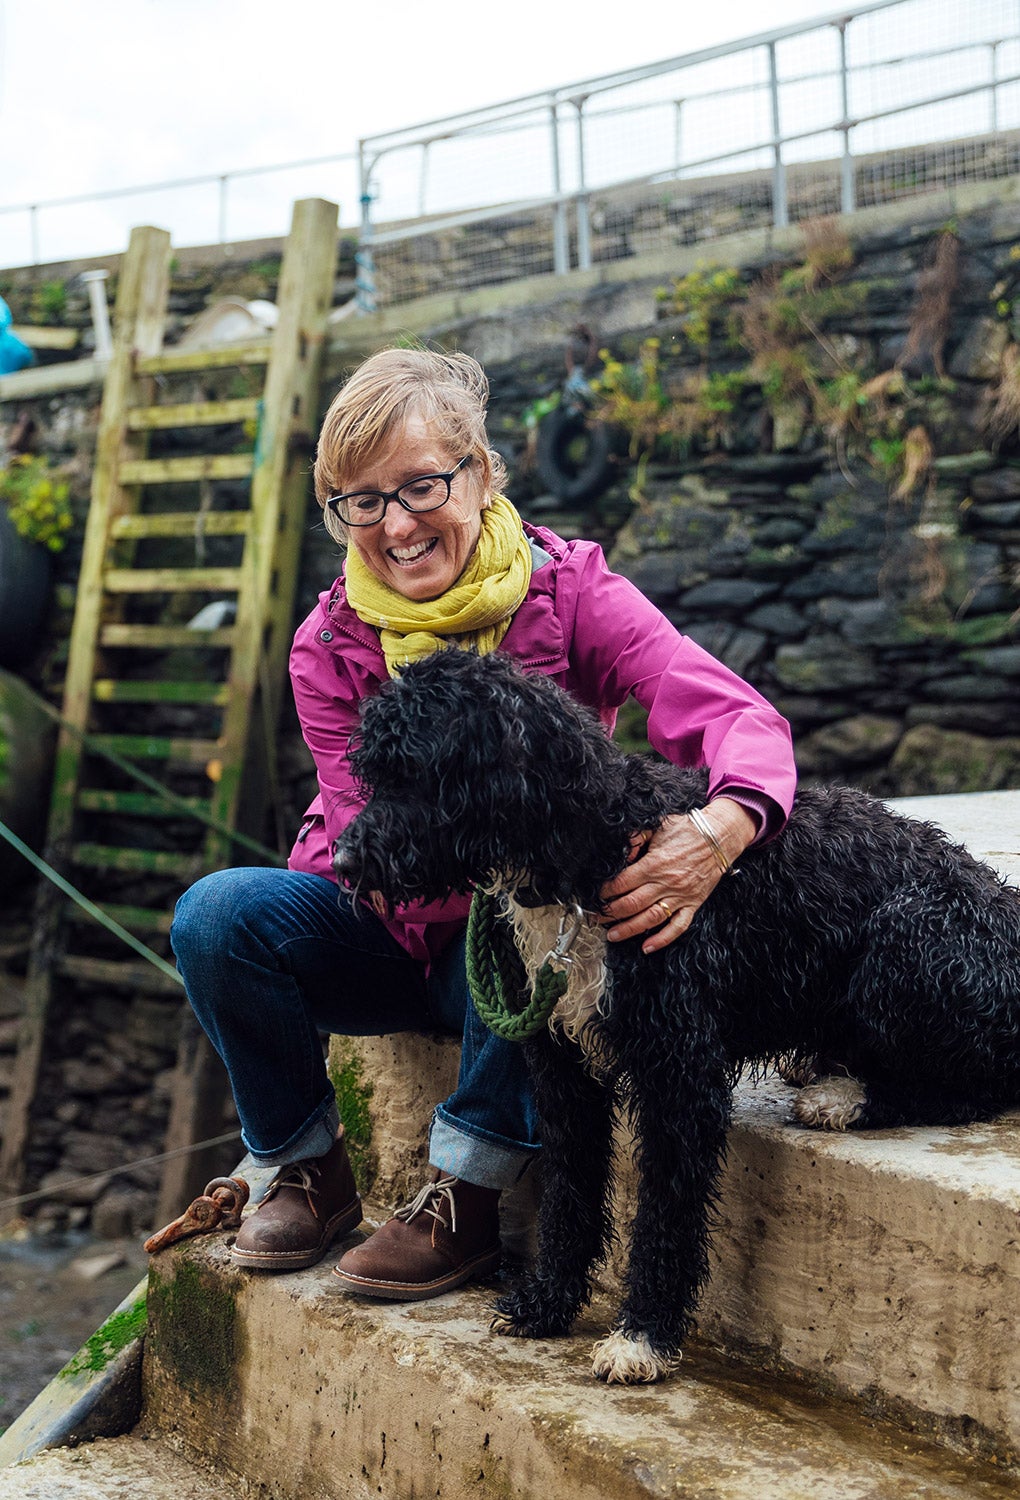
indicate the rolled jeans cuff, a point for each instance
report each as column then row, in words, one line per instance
column 312, row 1140
column 479, row 1159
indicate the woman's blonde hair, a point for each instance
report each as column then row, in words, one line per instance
column 449, row 392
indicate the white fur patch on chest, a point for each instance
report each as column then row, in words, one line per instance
column 536, row 929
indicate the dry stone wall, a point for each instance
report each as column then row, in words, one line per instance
column 887, row 630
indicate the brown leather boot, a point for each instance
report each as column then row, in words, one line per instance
column 446, row 1235
column 306, row 1206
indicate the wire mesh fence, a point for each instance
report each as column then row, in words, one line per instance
column 893, row 98
column 896, row 98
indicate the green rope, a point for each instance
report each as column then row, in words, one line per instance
column 492, row 968
column 179, row 804
column 94, row 911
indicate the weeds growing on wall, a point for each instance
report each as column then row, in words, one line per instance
column 37, row 501
column 804, row 375
column 49, row 302
column 932, row 312
column 999, row 419
column 782, row 346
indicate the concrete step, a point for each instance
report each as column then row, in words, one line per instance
column 135, row 1467
column 881, row 1265
column 987, row 823
column 884, row 1266
column 288, row 1382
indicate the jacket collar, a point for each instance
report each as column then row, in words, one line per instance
column 535, row 638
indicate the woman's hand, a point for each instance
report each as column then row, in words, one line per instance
column 661, row 889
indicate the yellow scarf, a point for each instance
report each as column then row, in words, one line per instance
column 475, row 611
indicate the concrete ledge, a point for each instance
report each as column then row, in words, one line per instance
column 315, row 1394
column 882, row 1265
column 986, row 823
column 133, row 1466
column 96, row 1394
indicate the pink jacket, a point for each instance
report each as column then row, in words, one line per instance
column 597, row 636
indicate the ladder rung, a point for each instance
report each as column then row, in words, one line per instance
column 177, row 752
column 134, row 918
column 185, row 470
column 141, row 804
column 107, row 971
column 172, row 580
column 193, row 414
column 146, row 861
column 205, row 359
column 183, row 523
column 106, row 690
column 162, row 636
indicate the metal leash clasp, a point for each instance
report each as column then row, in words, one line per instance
column 571, row 922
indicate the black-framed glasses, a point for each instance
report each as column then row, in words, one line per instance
column 366, row 507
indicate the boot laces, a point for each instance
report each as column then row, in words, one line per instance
column 430, row 1200
column 296, row 1174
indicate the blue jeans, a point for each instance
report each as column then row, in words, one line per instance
column 272, row 958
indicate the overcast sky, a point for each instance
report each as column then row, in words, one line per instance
column 99, row 94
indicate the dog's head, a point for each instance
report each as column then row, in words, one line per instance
column 472, row 770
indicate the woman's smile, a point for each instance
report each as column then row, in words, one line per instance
column 408, row 556
column 420, row 556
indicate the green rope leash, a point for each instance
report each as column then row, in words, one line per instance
column 495, row 975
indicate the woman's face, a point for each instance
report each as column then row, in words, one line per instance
column 419, row 555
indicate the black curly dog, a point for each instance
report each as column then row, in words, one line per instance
column 857, row 936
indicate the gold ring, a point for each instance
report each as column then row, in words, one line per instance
column 666, row 908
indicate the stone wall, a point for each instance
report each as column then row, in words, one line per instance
column 896, row 656
column 887, row 630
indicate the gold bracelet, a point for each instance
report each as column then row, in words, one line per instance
column 707, row 832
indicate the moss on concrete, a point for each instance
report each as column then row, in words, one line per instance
column 120, row 1329
column 194, row 1329
column 353, row 1093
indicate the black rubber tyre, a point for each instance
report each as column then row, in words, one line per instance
column 574, row 457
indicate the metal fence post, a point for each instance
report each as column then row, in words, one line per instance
column 561, row 241
column 364, row 261
column 994, row 90
column 780, row 212
column 423, row 175
column 583, row 217
column 223, row 208
column 847, row 186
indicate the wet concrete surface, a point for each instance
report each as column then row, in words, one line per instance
column 54, row 1293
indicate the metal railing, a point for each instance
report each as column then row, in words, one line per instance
column 820, row 116
column 228, row 220
column 818, row 98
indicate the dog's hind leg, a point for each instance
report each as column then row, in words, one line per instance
column 574, row 1226
column 835, row 1102
column 680, row 1103
column 931, row 1016
column 892, row 1101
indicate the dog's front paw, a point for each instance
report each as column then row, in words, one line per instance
column 508, row 1327
column 630, row 1359
column 521, row 1315
column 833, row 1103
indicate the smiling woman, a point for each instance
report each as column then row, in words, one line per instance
column 438, row 558
column 418, row 537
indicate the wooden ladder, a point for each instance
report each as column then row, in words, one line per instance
column 151, row 682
